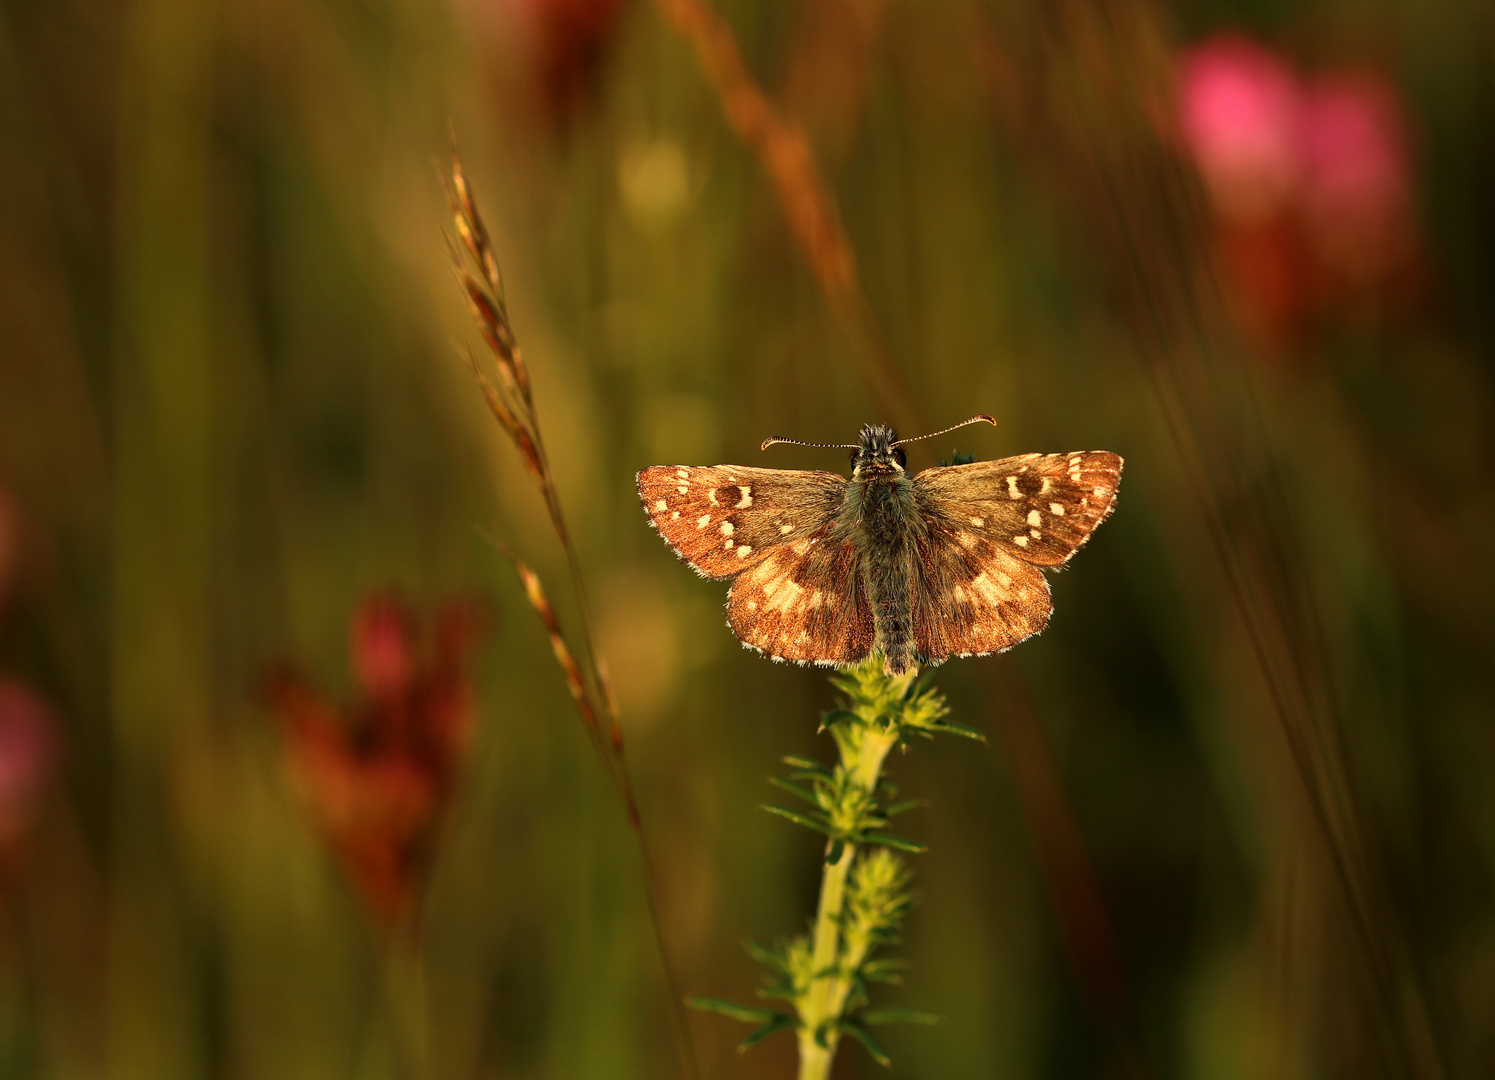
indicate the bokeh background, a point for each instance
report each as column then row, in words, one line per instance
column 1235, row 817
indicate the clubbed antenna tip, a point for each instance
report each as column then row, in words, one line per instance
column 979, row 418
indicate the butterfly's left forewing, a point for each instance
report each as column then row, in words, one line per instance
column 1039, row 508
column 723, row 519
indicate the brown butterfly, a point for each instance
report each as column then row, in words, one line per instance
column 920, row 568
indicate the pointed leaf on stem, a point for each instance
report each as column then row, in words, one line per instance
column 799, row 819
column 957, row 729
column 896, row 842
column 735, row 1011
column 804, row 763
column 899, row 1016
column 793, row 789
column 863, row 1036
column 781, row 1022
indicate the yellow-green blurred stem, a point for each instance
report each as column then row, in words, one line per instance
column 822, row 1003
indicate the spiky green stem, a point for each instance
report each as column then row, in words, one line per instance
column 820, row 1011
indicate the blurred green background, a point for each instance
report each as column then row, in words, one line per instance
column 1236, row 816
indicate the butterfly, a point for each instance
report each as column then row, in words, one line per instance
column 916, row 568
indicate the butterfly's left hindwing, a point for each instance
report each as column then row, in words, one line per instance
column 972, row 598
column 723, row 519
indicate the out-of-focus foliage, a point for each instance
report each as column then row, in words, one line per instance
column 1235, row 816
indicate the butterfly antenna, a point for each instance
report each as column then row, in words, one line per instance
column 795, row 442
column 981, row 419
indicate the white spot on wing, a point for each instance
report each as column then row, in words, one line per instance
column 728, row 528
column 978, row 522
column 661, row 506
column 675, row 516
column 683, row 473
column 1057, row 509
column 984, row 587
column 747, row 497
column 703, row 521
column 782, row 594
column 683, row 489
column 1020, row 541
column 1034, row 517
column 785, row 530
column 742, row 552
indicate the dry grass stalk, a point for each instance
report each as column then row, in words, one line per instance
column 784, row 150
column 511, row 400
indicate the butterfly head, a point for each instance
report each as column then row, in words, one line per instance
column 877, row 453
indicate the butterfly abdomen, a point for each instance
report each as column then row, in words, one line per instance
column 887, row 526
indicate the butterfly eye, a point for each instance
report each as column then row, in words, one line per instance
column 900, row 456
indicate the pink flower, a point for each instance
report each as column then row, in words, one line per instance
column 1238, row 109
column 1357, row 178
column 1309, row 180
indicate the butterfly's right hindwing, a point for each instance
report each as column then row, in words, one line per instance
column 723, row 519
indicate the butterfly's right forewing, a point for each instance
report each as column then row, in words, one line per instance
column 723, row 519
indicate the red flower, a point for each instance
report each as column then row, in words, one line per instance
column 378, row 775
column 9, row 528
column 565, row 44
column 28, row 758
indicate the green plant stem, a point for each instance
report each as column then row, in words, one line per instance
column 405, row 992
column 831, row 982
